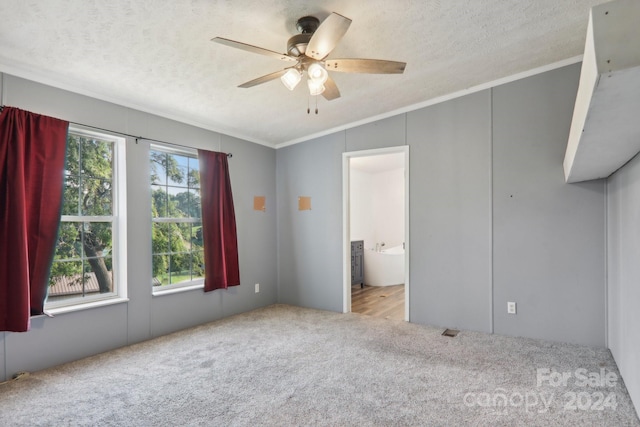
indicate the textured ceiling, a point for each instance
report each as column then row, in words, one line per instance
column 157, row 55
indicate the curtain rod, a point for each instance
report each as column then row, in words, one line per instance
column 136, row 137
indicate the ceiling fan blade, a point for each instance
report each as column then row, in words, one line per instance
column 327, row 36
column 330, row 90
column 372, row 66
column 253, row 49
column 264, row 79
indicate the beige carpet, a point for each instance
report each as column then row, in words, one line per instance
column 285, row 366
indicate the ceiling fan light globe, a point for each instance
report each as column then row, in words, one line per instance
column 291, row 78
column 317, row 73
column 315, row 88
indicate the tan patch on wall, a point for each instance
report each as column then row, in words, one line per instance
column 304, row 203
column 259, row 203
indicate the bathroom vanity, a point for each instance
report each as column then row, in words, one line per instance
column 357, row 263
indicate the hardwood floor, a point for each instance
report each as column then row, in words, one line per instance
column 378, row 301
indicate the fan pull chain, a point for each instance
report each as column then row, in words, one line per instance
column 309, row 105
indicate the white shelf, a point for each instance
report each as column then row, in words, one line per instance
column 605, row 129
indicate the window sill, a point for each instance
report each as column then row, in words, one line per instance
column 162, row 292
column 86, row 306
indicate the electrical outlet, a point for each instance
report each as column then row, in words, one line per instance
column 511, row 308
column 257, row 287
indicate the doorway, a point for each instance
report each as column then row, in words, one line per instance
column 376, row 182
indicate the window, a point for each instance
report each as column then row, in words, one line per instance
column 86, row 258
column 178, row 255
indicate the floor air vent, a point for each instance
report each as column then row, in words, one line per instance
column 450, row 332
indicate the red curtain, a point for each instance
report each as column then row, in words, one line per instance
column 218, row 223
column 32, row 153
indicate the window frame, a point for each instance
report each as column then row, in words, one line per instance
column 198, row 283
column 118, row 230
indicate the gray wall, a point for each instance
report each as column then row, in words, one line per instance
column 74, row 335
column 450, row 213
column 491, row 218
column 310, row 242
column 3, row 374
column 624, row 273
column 548, row 236
column 389, row 132
column 491, row 221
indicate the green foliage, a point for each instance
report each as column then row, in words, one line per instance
column 85, row 247
column 88, row 191
column 177, row 245
column 88, row 177
column 164, row 165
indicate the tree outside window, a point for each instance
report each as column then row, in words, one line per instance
column 178, row 255
column 83, row 261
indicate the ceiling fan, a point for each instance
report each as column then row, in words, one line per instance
column 309, row 51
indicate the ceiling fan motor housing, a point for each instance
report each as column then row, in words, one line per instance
column 297, row 45
column 308, row 24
